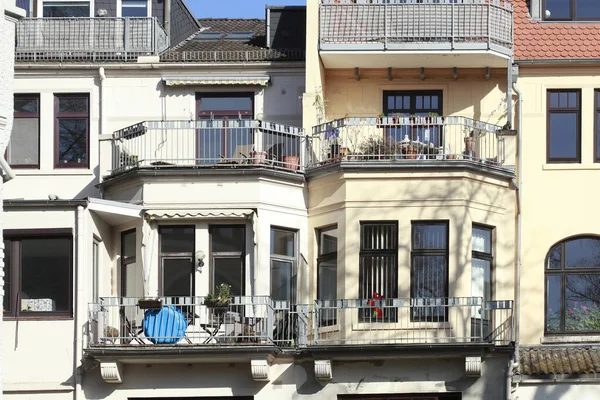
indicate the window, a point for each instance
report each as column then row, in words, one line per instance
column 134, row 8
column 23, row 150
column 240, row 35
column 38, row 270
column 481, row 267
column 227, row 131
column 227, row 244
column 597, row 126
column 378, row 273
column 131, row 271
column 429, row 271
column 177, row 245
column 283, row 265
column 563, row 126
column 209, row 35
column 573, row 286
column 95, row 269
column 66, row 8
column 25, row 5
column 568, row 10
column 327, row 273
column 72, row 130
column 406, row 104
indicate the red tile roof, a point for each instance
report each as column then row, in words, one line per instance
column 536, row 40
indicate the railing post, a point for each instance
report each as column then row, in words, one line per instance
column 385, row 26
column 452, row 27
column 489, row 7
column 316, row 318
column 126, row 37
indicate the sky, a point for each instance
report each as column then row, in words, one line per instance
column 236, row 8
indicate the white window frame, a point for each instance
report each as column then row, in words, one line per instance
column 120, row 8
column 40, row 5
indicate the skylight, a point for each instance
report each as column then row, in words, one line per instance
column 240, row 35
column 209, row 35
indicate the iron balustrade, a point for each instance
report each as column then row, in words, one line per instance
column 88, row 39
column 407, row 138
column 207, row 143
column 416, row 25
column 261, row 321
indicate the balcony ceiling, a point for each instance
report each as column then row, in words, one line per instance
column 414, row 59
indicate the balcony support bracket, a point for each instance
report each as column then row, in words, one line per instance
column 260, row 369
column 111, row 371
column 422, row 73
column 487, row 73
column 357, row 73
column 454, row 73
column 390, row 77
column 473, row 367
column 323, row 370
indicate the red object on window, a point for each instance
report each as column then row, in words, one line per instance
column 377, row 312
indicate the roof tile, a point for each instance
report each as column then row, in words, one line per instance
column 552, row 40
column 559, row 361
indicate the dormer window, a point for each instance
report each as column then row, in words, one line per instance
column 570, row 10
column 134, row 8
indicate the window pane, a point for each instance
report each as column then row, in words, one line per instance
column 46, row 274
column 481, row 284
column 327, row 290
column 134, row 8
column 482, row 240
column 582, row 253
column 133, row 280
column 227, row 239
column 429, row 236
column 563, row 135
column 328, row 241
column 582, row 303
column 554, row 257
column 559, row 9
column 7, row 276
column 26, row 105
column 23, row 148
column 378, row 237
column 553, row 308
column 72, row 141
column 282, row 242
column 61, row 9
column 429, row 276
column 128, row 250
column 95, row 269
column 225, row 103
column 72, row 104
column 281, row 280
column 598, row 132
column 229, row 271
column 177, row 239
column 177, row 277
column 587, row 9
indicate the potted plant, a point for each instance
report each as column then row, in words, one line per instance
column 258, row 157
column 150, row 303
column 332, row 136
column 220, row 299
column 291, row 162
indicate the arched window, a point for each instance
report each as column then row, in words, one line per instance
column 573, row 286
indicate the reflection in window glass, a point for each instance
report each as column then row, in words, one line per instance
column 65, row 9
column 558, row 9
column 553, row 307
column 281, row 280
column 582, row 253
column 134, row 8
column 587, row 9
column 563, row 135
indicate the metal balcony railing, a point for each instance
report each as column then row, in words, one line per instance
column 416, row 25
column 252, row 320
column 260, row 321
column 88, row 39
column 207, row 143
column 413, row 321
column 407, row 138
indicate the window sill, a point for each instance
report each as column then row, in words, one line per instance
column 571, row 167
column 55, row 172
column 570, row 339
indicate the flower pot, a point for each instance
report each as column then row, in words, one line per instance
column 259, row 157
column 468, row 144
column 411, row 153
column 291, row 162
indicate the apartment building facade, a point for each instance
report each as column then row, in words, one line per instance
column 556, row 52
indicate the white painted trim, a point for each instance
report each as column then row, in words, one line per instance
column 120, row 8
column 114, row 207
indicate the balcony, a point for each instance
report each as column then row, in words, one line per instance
column 88, row 39
column 260, row 322
column 213, row 143
column 415, row 33
column 410, row 141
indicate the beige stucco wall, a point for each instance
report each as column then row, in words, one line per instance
column 558, row 199
column 462, row 198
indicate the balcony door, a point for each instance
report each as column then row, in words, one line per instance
column 224, row 132
column 227, row 250
column 177, row 245
column 423, row 103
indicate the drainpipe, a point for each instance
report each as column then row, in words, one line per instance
column 167, row 23
column 514, row 363
column 102, row 122
column 78, row 297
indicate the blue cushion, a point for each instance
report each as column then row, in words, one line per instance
column 164, row 326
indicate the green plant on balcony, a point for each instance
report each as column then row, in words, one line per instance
column 220, row 298
column 129, row 159
column 377, row 148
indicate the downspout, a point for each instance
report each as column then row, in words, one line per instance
column 77, row 298
column 102, row 122
column 514, row 363
column 167, row 23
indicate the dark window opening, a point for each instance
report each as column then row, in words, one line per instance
column 563, row 126
column 72, row 130
column 23, row 150
column 327, row 274
column 177, row 244
column 227, row 248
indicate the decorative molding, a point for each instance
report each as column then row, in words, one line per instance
column 323, row 370
column 260, row 370
column 473, row 366
column 111, row 371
